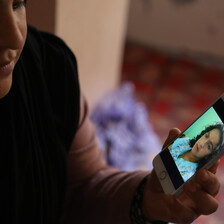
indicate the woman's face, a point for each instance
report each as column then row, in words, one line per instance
column 206, row 144
column 13, row 30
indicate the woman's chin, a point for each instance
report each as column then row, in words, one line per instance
column 5, row 86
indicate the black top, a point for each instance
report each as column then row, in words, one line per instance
column 38, row 120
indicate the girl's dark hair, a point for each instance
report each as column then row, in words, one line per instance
column 220, row 146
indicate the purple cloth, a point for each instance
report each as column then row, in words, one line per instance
column 125, row 134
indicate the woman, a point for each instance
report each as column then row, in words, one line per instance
column 191, row 154
column 52, row 168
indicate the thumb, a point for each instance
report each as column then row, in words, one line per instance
column 173, row 133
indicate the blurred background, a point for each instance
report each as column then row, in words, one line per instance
column 145, row 66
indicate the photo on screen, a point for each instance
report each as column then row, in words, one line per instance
column 198, row 144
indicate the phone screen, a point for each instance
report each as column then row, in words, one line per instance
column 196, row 146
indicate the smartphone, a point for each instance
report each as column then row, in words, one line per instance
column 198, row 146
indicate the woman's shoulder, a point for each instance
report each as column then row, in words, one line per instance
column 180, row 145
column 56, row 67
column 53, row 57
column 182, row 140
column 46, row 44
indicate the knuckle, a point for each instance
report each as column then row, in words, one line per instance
column 213, row 209
column 210, row 209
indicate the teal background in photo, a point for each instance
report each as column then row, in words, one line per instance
column 210, row 117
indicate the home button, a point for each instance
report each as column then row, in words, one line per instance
column 162, row 175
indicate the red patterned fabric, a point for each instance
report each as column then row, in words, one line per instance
column 176, row 90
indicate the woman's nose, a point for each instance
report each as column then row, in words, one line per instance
column 201, row 144
column 10, row 33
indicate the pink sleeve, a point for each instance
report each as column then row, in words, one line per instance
column 96, row 193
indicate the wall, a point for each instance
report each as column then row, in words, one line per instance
column 95, row 31
column 195, row 26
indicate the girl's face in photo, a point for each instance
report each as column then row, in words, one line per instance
column 13, row 30
column 206, row 144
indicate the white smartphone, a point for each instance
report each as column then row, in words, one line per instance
column 198, row 146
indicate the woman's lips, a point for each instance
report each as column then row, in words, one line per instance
column 7, row 68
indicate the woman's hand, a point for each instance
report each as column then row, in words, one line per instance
column 197, row 197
